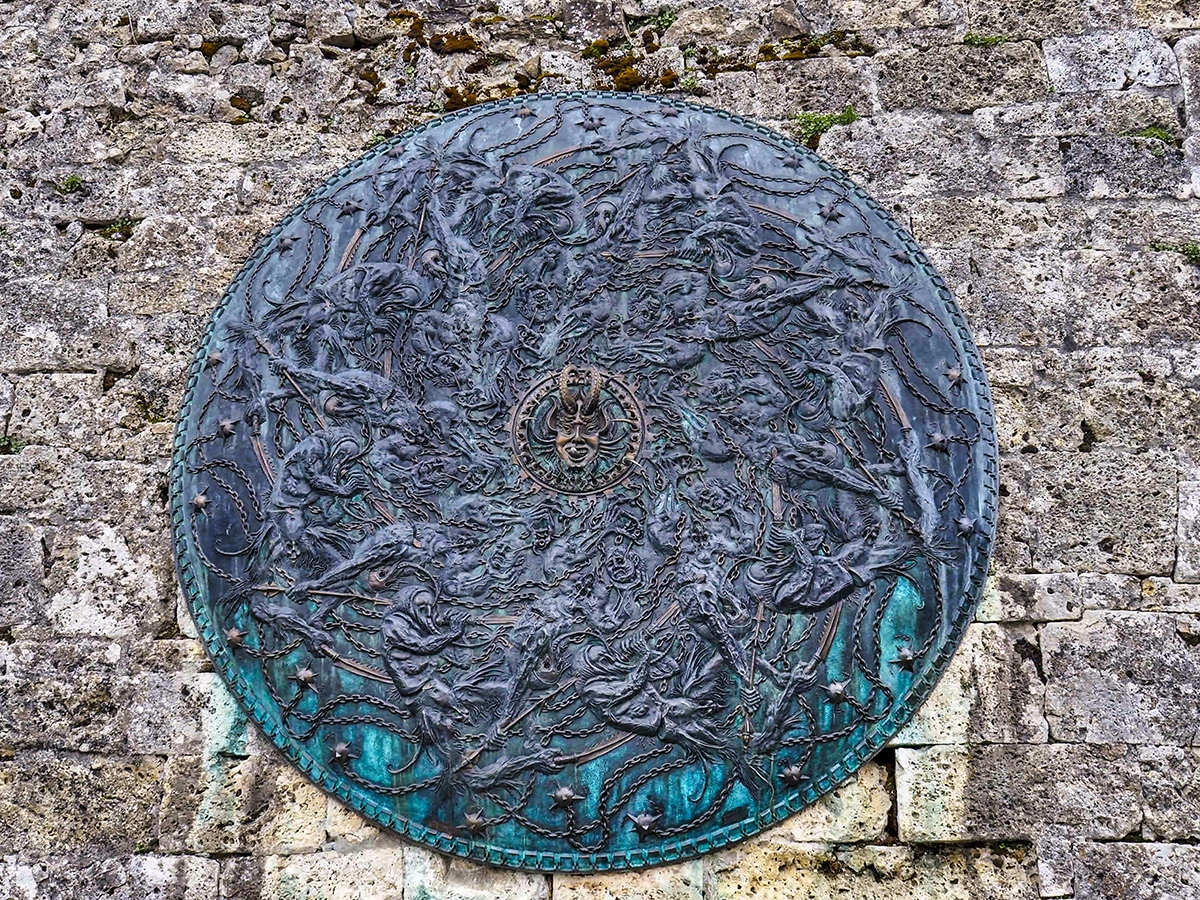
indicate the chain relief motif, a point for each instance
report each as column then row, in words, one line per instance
column 584, row 482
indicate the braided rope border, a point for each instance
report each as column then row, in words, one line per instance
column 876, row 735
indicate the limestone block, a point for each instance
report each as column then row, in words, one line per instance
column 991, row 692
column 960, row 78
column 65, row 695
column 1011, row 299
column 1130, row 297
column 1122, row 676
column 168, row 713
column 52, row 804
column 1103, row 511
column 170, row 264
column 714, row 23
column 238, row 23
column 104, row 584
column 83, row 877
column 437, row 877
column 1187, row 50
column 859, row 15
column 220, row 804
column 778, row 90
column 682, row 881
column 1127, row 398
column 920, row 154
column 1067, row 115
column 1187, row 553
column 74, row 410
column 1034, row 20
column 567, row 72
column 1135, row 871
column 1073, row 298
column 989, row 223
column 854, row 811
column 1052, row 598
column 1015, row 791
column 1112, row 60
column 61, row 325
column 21, row 574
column 1099, row 167
column 1165, row 595
column 1171, row 786
column 377, row 873
column 1056, row 847
column 784, row 871
column 161, row 20
column 1129, row 223
column 347, row 829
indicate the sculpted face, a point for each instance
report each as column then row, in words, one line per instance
column 578, row 422
column 578, row 440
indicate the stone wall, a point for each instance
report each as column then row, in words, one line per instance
column 1044, row 152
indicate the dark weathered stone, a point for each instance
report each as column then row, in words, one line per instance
column 1137, row 871
column 960, row 78
column 84, row 876
column 1139, row 167
column 1103, row 511
column 1122, row 676
column 776, row 870
column 55, row 803
column 1015, row 791
column 65, row 695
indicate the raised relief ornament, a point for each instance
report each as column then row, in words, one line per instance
column 584, row 482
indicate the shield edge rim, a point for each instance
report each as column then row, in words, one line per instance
column 547, row 862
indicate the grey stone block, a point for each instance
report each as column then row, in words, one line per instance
column 1122, row 676
column 961, row 78
column 53, row 804
column 1113, row 60
column 1139, row 871
column 1103, row 511
column 1002, row 792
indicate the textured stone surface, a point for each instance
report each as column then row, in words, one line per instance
column 1052, row 598
column 1187, row 554
column 141, row 877
column 992, row 692
column 782, row 871
column 855, row 811
column 1102, row 511
column 1127, row 677
column 1015, row 792
column 683, row 881
column 1138, row 872
column 58, row 802
column 1045, row 152
column 960, row 79
column 1110, row 61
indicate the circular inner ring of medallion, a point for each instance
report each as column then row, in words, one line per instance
column 577, row 431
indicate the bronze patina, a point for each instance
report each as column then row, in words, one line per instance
column 584, row 481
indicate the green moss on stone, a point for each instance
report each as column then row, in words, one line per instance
column 810, row 45
column 1153, row 132
column 659, row 22
column 70, row 184
column 118, row 230
column 984, row 40
column 810, row 126
column 1189, row 250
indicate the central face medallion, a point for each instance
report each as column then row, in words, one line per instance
column 578, row 431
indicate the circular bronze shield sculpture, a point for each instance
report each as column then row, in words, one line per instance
column 584, row 482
